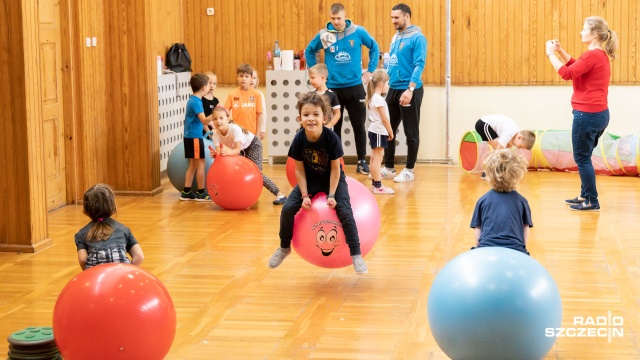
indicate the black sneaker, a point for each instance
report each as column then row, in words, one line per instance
column 574, row 201
column 280, row 200
column 203, row 197
column 585, row 207
column 363, row 168
column 187, row 196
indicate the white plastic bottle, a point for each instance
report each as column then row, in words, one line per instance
column 277, row 61
column 386, row 60
column 159, row 65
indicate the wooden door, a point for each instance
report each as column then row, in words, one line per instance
column 51, row 90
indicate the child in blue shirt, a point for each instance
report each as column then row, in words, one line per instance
column 502, row 216
column 317, row 152
column 193, row 142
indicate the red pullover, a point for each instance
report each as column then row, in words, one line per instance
column 590, row 75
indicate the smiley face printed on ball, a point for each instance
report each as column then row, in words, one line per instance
column 327, row 239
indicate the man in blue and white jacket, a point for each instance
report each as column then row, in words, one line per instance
column 342, row 42
column 407, row 59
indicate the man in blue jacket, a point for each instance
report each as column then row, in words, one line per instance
column 342, row 42
column 407, row 59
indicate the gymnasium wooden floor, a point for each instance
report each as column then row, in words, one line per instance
column 231, row 306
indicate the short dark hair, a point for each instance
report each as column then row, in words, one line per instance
column 336, row 8
column 198, row 81
column 403, row 7
column 315, row 99
column 244, row 69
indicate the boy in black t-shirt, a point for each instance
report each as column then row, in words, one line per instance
column 318, row 75
column 317, row 152
column 209, row 102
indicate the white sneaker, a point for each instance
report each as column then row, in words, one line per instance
column 382, row 190
column 386, row 173
column 404, row 176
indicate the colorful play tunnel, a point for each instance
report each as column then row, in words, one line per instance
column 614, row 155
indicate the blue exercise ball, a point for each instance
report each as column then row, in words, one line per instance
column 177, row 166
column 494, row 303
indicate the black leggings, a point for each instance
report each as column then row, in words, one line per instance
column 254, row 153
column 343, row 210
column 353, row 99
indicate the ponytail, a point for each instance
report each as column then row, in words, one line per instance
column 100, row 230
column 599, row 26
column 612, row 44
column 370, row 91
column 379, row 76
column 99, row 204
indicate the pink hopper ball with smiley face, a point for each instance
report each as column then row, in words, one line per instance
column 317, row 233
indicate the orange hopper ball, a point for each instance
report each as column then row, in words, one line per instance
column 291, row 170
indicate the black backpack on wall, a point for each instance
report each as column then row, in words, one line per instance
column 178, row 58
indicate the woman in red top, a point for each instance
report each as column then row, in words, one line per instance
column 590, row 75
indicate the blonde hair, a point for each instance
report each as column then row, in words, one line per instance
column 99, row 203
column 504, row 169
column 528, row 138
column 379, row 77
column 221, row 109
column 320, row 69
column 211, row 73
column 605, row 35
column 257, row 77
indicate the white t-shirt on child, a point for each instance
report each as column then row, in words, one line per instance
column 374, row 117
column 234, row 135
column 503, row 125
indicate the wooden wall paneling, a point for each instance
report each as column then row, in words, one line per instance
column 117, row 89
column 50, row 71
column 207, row 41
column 534, row 42
column 167, row 23
column 634, row 50
column 229, row 66
column 465, row 22
column 496, row 45
column 152, row 123
column 474, row 43
column 621, row 70
column 519, row 42
column 456, row 52
column 513, row 49
column 196, row 58
column 250, row 54
column 262, row 44
column 23, row 228
column 484, row 56
column 90, row 125
column 132, row 158
column 71, row 108
column 246, row 36
column 187, row 23
column 498, row 42
column 564, row 26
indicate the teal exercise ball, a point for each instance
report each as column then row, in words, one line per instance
column 494, row 303
column 177, row 166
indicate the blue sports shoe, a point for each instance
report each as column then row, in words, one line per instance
column 585, row 207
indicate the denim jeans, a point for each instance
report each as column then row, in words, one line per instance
column 343, row 210
column 585, row 132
